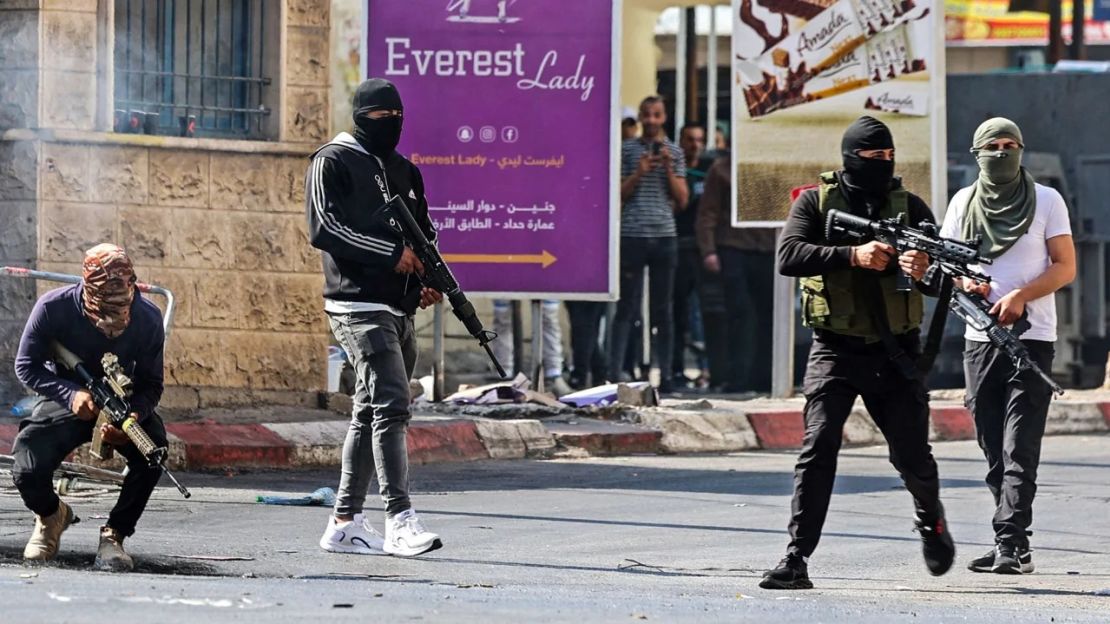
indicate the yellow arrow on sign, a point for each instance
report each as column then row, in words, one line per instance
column 545, row 259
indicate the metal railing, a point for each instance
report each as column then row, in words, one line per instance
column 191, row 66
column 21, row 272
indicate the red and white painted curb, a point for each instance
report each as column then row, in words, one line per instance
column 721, row 428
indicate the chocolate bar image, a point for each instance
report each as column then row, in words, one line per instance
column 805, row 9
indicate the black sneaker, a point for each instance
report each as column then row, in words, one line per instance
column 792, row 573
column 937, row 546
column 1011, row 559
column 984, row 563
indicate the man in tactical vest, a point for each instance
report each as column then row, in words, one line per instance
column 865, row 340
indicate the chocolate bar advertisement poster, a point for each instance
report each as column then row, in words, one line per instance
column 805, row 69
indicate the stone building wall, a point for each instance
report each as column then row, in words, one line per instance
column 218, row 222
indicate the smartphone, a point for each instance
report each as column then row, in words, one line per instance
column 655, row 147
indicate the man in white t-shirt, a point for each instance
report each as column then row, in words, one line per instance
column 1025, row 230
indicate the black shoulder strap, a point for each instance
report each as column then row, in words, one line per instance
column 877, row 311
column 936, row 327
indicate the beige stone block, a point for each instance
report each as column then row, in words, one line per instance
column 119, row 174
column 19, row 39
column 10, row 388
column 67, row 229
column 283, row 302
column 11, row 5
column 201, row 239
column 145, row 233
column 18, row 169
column 306, row 115
column 308, row 12
column 86, row 6
column 306, row 258
column 307, row 60
column 193, row 358
column 64, row 173
column 68, row 99
column 219, row 300
column 16, row 298
column 69, row 41
column 274, row 361
column 267, row 242
column 179, row 178
column 18, row 237
column 288, row 184
column 19, row 101
column 181, row 283
column 242, row 181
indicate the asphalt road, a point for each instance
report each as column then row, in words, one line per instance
column 678, row 538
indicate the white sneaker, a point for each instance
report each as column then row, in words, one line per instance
column 405, row 536
column 355, row 536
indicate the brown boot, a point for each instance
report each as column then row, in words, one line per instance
column 43, row 544
column 110, row 557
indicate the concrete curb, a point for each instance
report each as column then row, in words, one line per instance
column 726, row 426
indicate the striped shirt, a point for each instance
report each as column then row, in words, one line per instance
column 648, row 213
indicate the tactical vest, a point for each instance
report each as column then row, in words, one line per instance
column 836, row 301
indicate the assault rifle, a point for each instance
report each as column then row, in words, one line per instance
column 437, row 275
column 112, row 396
column 974, row 310
column 952, row 255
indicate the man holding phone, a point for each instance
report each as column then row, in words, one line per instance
column 653, row 189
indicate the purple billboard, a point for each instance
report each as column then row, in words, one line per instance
column 510, row 116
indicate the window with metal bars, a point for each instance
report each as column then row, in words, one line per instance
column 193, row 67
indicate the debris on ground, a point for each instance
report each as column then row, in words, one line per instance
column 323, row 497
column 636, row 393
column 519, row 390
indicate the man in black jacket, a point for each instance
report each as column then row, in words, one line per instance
column 371, row 291
column 865, row 338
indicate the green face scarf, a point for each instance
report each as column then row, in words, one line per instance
column 1003, row 199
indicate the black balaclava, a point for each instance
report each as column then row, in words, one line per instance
column 377, row 136
column 867, row 180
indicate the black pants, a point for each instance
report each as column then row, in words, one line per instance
column 50, row 434
column 711, row 294
column 748, row 278
column 588, row 362
column 659, row 255
column 839, row 370
column 1010, row 412
column 686, row 277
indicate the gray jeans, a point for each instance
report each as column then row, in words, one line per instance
column 382, row 350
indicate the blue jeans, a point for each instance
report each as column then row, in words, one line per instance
column 660, row 256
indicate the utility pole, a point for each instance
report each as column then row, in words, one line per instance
column 691, row 69
column 1055, row 34
column 1078, row 50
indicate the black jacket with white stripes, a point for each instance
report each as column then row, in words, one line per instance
column 344, row 191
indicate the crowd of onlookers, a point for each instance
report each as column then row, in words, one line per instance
column 708, row 284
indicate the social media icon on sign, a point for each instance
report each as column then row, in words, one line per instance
column 509, row 134
column 488, row 134
column 466, row 134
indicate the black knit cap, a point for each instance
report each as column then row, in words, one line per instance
column 376, row 94
column 866, row 133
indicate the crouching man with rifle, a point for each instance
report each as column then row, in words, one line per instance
column 102, row 315
column 379, row 266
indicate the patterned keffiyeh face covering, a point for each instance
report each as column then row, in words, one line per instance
column 109, row 288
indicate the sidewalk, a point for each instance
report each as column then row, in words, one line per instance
column 290, row 437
